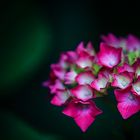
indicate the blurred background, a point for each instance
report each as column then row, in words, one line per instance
column 33, row 34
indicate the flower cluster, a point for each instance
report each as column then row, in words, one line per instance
column 82, row 75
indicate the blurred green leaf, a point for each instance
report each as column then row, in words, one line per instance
column 27, row 44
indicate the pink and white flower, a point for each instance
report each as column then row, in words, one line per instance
column 85, row 61
column 109, row 56
column 70, row 77
column 85, row 55
column 100, row 83
column 60, row 97
column 122, row 80
column 88, row 50
column 83, row 113
column 85, row 78
column 128, row 103
column 82, row 92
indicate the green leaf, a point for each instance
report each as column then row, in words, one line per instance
column 96, row 68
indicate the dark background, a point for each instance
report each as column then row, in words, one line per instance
column 33, row 34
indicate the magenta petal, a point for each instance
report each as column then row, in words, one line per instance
column 128, row 104
column 107, row 73
column 136, row 87
column 60, row 97
column 133, row 43
column 100, row 83
column 71, row 109
column 84, row 121
column 83, row 113
column 70, row 77
column 82, row 92
column 90, row 49
column 80, row 48
column 72, row 56
column 85, row 78
column 122, row 80
column 58, row 85
column 125, row 67
column 85, row 61
column 58, row 71
column 112, row 40
column 109, row 56
column 127, row 110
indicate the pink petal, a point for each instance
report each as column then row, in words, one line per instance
column 136, row 87
column 84, row 120
column 100, row 83
column 83, row 113
column 125, row 67
column 85, row 57
column 128, row 104
column 63, row 63
column 106, row 73
column 60, row 97
column 58, row 71
column 71, row 109
column 84, row 61
column 84, row 78
column 90, row 49
column 70, row 77
column 72, row 56
column 80, row 48
column 127, row 110
column 133, row 43
column 122, row 80
column 82, row 92
column 109, row 56
column 58, row 85
column 111, row 40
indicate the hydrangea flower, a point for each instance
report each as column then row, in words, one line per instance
column 128, row 103
column 82, row 75
column 109, row 56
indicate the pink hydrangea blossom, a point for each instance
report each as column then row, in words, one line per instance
column 85, row 78
column 109, row 56
column 100, row 83
column 60, row 97
column 83, row 113
column 128, row 103
column 122, row 80
column 82, row 75
column 82, row 92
